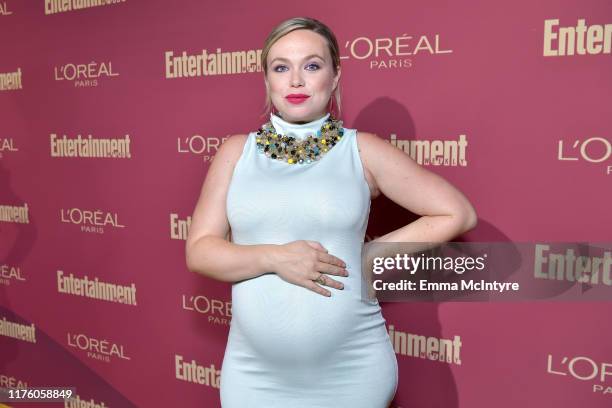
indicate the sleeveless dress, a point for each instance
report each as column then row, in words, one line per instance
column 289, row 347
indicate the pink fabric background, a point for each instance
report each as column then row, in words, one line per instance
column 513, row 104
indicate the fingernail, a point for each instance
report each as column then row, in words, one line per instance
column 341, row 286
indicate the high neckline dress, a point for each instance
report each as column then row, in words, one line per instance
column 288, row 346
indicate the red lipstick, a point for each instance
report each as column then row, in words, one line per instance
column 297, row 98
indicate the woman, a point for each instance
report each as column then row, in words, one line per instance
column 301, row 335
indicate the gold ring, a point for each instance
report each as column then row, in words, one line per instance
column 320, row 280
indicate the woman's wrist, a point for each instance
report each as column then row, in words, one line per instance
column 267, row 259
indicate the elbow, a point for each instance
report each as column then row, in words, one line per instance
column 190, row 258
column 464, row 219
column 189, row 265
column 197, row 256
column 469, row 219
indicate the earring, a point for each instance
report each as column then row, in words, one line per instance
column 275, row 111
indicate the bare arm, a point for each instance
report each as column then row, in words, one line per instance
column 207, row 250
column 225, row 261
column 445, row 212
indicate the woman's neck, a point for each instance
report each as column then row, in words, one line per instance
column 301, row 122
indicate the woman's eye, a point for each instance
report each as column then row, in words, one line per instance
column 310, row 67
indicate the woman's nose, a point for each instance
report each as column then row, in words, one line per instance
column 296, row 79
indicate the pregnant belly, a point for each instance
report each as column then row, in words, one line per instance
column 287, row 323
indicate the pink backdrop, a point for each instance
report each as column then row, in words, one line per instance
column 418, row 70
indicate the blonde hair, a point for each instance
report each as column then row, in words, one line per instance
column 303, row 23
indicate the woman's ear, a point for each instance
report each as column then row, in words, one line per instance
column 337, row 78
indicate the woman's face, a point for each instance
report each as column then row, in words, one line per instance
column 300, row 65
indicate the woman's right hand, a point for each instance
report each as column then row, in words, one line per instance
column 302, row 262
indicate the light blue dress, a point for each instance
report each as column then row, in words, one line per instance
column 288, row 346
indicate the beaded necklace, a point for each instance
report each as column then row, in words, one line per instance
column 295, row 151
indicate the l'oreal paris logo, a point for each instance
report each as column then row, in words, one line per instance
column 583, row 369
column 4, row 11
column 392, row 52
column 97, row 349
column 218, row 311
column 207, row 147
column 593, row 150
column 84, row 75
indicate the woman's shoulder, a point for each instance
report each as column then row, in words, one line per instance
column 231, row 149
column 372, row 144
column 236, row 140
column 367, row 137
column 368, row 143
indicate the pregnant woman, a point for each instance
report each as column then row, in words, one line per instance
column 295, row 195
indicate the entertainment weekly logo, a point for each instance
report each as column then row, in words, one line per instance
column 579, row 40
column 581, row 368
column 198, row 145
column 90, row 147
column 596, row 150
column 430, row 348
column 63, row 6
column 208, row 63
column 19, row 331
column 383, row 53
column 96, row 289
column 11, row 80
column 196, row 373
column 435, row 152
column 179, row 228
column 76, row 401
column 15, row 213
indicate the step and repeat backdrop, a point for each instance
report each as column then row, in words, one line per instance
column 112, row 110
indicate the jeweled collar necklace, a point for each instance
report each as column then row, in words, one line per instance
column 294, row 150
